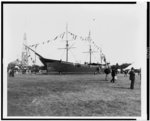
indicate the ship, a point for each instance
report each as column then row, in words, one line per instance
column 70, row 67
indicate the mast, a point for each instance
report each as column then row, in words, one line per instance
column 90, row 49
column 67, row 45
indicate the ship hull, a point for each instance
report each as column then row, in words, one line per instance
column 68, row 67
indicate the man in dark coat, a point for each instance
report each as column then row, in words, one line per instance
column 113, row 74
column 132, row 78
column 107, row 71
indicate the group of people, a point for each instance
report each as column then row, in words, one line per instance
column 11, row 72
column 114, row 76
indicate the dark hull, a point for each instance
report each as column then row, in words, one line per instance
column 68, row 67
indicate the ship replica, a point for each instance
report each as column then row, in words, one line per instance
column 70, row 67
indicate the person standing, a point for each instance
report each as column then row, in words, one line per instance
column 113, row 74
column 132, row 78
column 107, row 71
column 125, row 73
column 9, row 72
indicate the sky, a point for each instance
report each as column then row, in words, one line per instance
column 120, row 30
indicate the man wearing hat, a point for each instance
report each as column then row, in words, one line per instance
column 132, row 78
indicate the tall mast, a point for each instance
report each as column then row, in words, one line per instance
column 90, row 49
column 67, row 45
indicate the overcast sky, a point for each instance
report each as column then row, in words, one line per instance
column 120, row 30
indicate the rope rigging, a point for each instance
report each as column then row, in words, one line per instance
column 74, row 37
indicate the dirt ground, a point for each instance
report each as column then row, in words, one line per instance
column 72, row 95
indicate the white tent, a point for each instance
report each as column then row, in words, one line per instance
column 17, row 67
column 134, row 65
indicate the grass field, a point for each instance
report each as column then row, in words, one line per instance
column 72, row 95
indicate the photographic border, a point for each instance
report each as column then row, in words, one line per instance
column 71, row 2
column 148, row 56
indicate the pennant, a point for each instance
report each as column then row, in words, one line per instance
column 75, row 37
column 63, row 35
column 55, row 38
column 36, row 45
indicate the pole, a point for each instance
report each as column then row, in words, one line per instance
column 90, row 53
column 67, row 42
column 90, row 49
